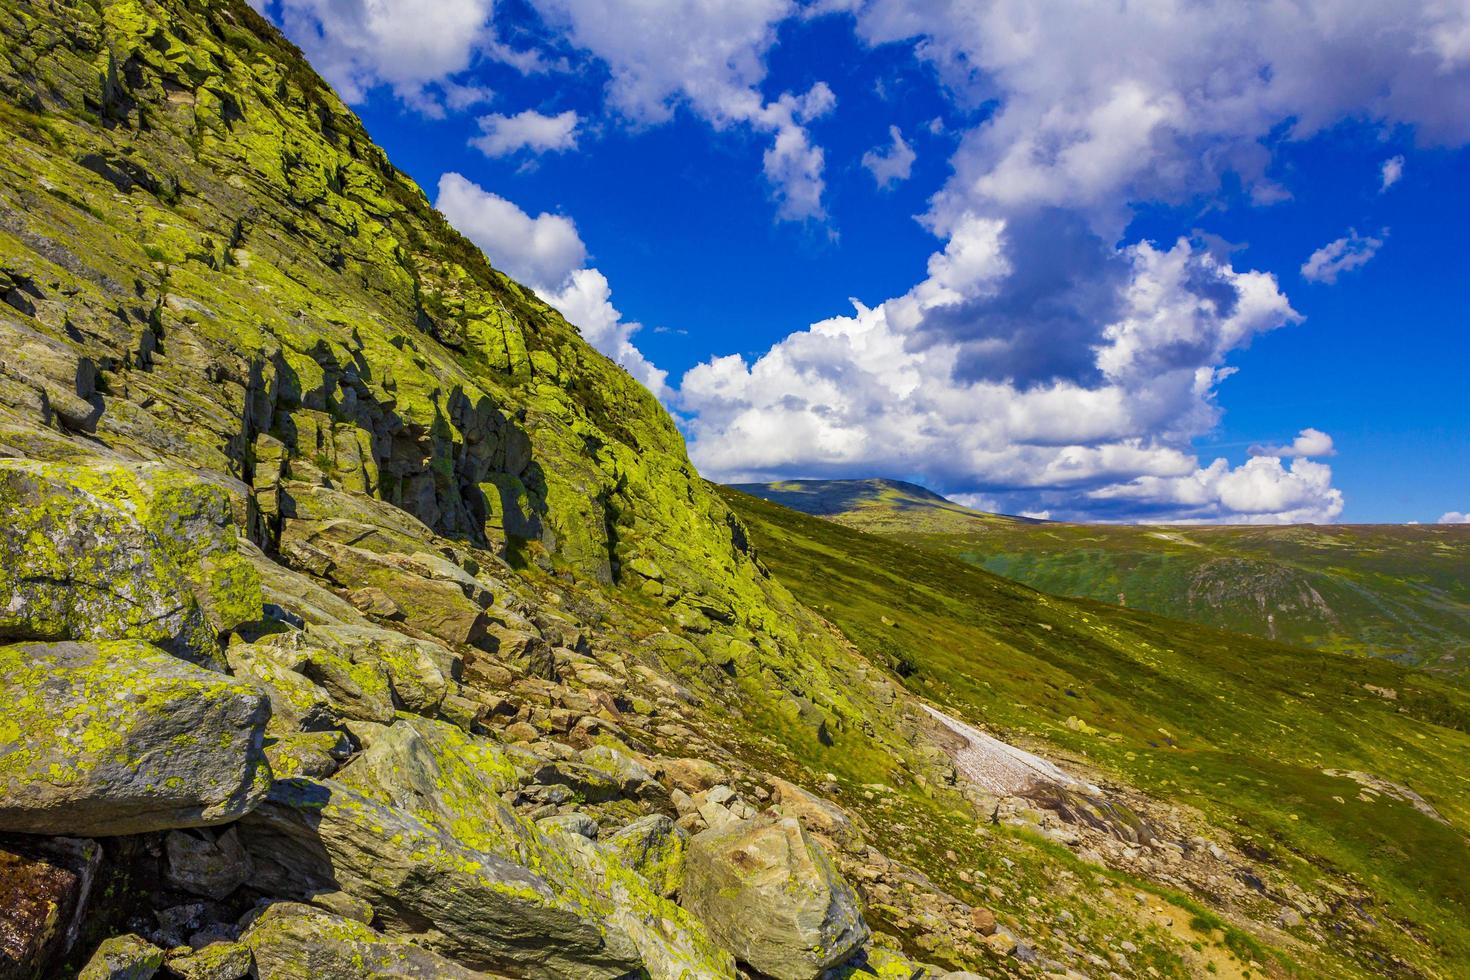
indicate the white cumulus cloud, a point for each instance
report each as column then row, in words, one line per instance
column 415, row 48
column 547, row 254
column 501, row 135
column 1454, row 517
column 541, row 251
column 893, row 163
column 1341, row 255
column 1102, row 105
column 872, row 393
column 1309, row 442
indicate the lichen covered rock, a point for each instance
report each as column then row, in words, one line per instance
column 291, row 941
column 121, row 738
column 479, row 909
column 110, row 551
column 215, row 961
column 452, row 782
column 123, row 958
column 769, row 894
column 654, row 848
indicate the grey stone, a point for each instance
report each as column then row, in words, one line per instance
column 121, row 738
column 205, row 864
column 123, row 958
column 768, row 892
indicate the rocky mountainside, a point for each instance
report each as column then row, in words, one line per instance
column 1395, row 591
column 357, row 619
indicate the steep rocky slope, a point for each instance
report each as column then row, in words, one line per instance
column 357, row 619
column 1395, row 591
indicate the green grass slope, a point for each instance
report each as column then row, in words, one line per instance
column 1395, row 591
column 1252, row 734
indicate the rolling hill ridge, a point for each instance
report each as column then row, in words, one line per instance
column 1395, row 591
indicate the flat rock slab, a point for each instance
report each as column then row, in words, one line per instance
column 481, row 910
column 119, row 737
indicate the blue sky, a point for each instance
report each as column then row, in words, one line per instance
column 1115, row 264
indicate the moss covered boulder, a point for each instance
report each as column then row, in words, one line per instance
column 482, row 910
column 109, row 551
column 216, row 961
column 298, row 942
column 770, row 894
column 452, row 781
column 121, row 738
column 123, row 958
column 653, row 847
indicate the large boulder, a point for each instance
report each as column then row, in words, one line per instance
column 121, row 738
column 415, row 825
column 769, row 893
column 44, row 887
column 112, row 551
column 298, row 942
column 482, row 910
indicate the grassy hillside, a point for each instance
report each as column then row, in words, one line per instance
column 1256, row 736
column 1395, row 591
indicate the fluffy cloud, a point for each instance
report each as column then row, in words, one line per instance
column 1342, row 255
column 1261, row 491
column 1393, row 169
column 872, row 393
column 1045, row 363
column 1101, row 105
column 529, row 130
column 1309, row 442
column 541, row 251
column 414, row 48
column 707, row 56
column 547, row 254
column 892, row 163
column 1453, row 517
